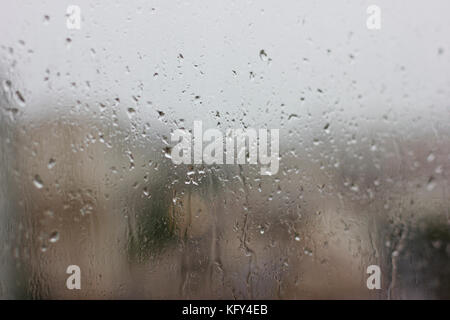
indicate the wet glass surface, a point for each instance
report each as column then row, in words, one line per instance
column 87, row 171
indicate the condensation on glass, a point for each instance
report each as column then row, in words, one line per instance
column 87, row 179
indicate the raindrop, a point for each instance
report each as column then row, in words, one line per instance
column 131, row 112
column 263, row 55
column 316, row 141
column 7, row 85
column 86, row 209
column 20, row 99
column 431, row 184
column 373, row 147
column 168, row 152
column 54, row 237
column 38, row 182
column 51, row 163
column 161, row 114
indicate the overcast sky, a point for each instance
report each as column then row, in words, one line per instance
column 320, row 57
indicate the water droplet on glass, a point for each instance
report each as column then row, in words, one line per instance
column 38, row 182
column 54, row 237
column 7, row 85
column 20, row 99
column 131, row 112
column 263, row 55
column 431, row 184
column 168, row 152
column 49, row 213
column 51, row 163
